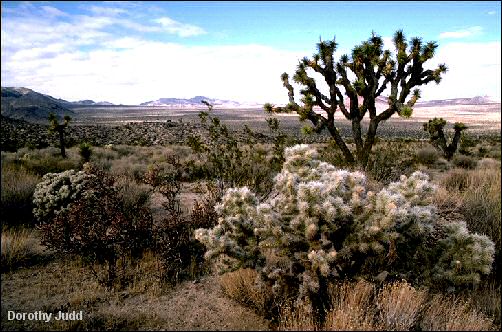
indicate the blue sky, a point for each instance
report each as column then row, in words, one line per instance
column 131, row 52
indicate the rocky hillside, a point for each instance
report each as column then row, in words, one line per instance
column 26, row 104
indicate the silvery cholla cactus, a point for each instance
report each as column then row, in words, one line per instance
column 321, row 222
column 56, row 191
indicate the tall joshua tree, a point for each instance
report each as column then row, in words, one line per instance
column 56, row 127
column 361, row 78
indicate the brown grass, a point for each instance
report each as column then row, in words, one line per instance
column 241, row 286
column 18, row 186
column 353, row 309
column 446, row 313
column 399, row 305
column 482, row 203
column 20, row 247
column 358, row 306
column 297, row 317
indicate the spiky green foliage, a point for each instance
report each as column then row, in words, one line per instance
column 59, row 128
column 85, row 151
column 375, row 70
column 322, row 223
column 435, row 128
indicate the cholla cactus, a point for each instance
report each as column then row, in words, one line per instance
column 464, row 255
column 232, row 239
column 321, row 223
column 56, row 191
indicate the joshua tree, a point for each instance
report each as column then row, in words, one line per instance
column 56, row 127
column 437, row 137
column 361, row 78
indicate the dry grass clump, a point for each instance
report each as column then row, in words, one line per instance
column 488, row 163
column 20, row 247
column 446, row 313
column 353, row 307
column 359, row 306
column 297, row 317
column 18, row 186
column 487, row 298
column 399, row 305
column 476, row 195
column 456, row 179
column 482, row 203
column 241, row 286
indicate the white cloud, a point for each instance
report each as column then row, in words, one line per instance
column 44, row 54
column 106, row 11
column 52, row 11
column 491, row 12
column 472, row 31
column 175, row 27
column 150, row 70
column 473, row 70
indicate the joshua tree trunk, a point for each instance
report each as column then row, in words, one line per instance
column 61, row 142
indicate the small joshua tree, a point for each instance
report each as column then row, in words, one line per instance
column 56, row 127
column 435, row 128
column 375, row 70
column 85, row 151
column 321, row 223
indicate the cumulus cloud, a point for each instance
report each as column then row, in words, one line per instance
column 473, row 70
column 472, row 31
column 134, row 71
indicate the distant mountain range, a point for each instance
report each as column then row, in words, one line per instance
column 478, row 100
column 26, row 104
column 197, row 102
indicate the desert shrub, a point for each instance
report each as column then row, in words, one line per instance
column 464, row 161
column 467, row 142
column 203, row 214
column 20, row 247
column 427, row 156
column 180, row 254
column 389, row 161
column 82, row 213
column 320, row 223
column 221, row 158
column 18, row 186
column 133, row 193
column 131, row 166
